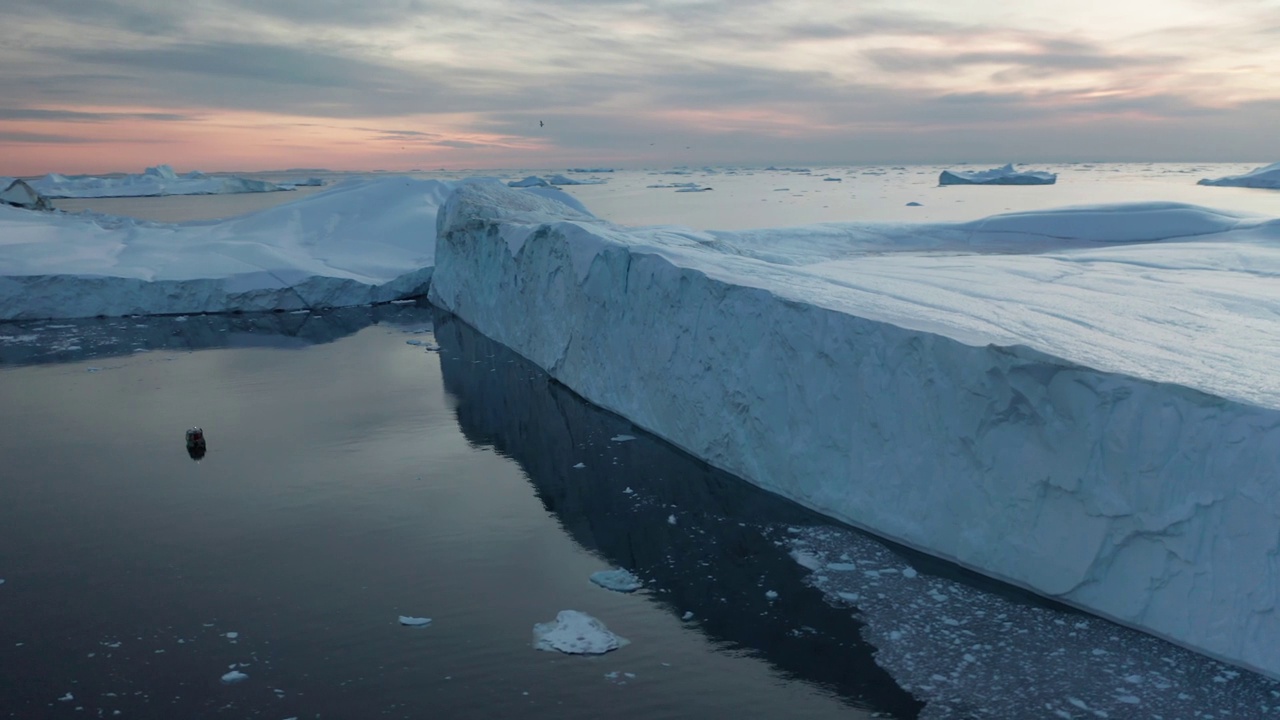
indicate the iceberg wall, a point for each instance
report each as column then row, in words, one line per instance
column 1146, row 501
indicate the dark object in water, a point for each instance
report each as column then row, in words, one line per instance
column 196, row 447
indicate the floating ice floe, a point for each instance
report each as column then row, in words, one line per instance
column 1267, row 177
column 158, row 180
column 414, row 621
column 622, row 438
column 235, row 676
column 562, row 180
column 1098, row 388
column 619, row 580
column 996, row 176
column 575, row 633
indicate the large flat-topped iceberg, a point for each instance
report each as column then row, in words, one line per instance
column 1267, row 177
column 357, row 243
column 158, row 180
column 996, row 176
column 1083, row 402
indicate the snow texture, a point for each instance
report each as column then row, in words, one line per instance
column 996, row 176
column 575, row 633
column 1267, row 177
column 1099, row 387
column 158, row 180
column 356, row 243
column 618, row 580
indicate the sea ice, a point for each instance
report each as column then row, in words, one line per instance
column 1267, row 177
column 234, row 676
column 575, row 633
column 622, row 438
column 531, row 181
column 414, row 621
column 619, row 580
column 996, row 176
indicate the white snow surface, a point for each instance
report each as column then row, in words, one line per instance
column 575, row 633
column 1267, row 177
column 1006, row 175
column 358, row 242
column 158, row 180
column 1098, row 388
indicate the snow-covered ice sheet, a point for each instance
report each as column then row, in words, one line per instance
column 1006, row 175
column 576, row 633
column 1267, row 177
column 358, row 242
column 158, row 180
column 1098, row 388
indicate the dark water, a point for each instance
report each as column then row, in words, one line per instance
column 352, row 478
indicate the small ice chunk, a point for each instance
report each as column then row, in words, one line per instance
column 233, row 635
column 687, row 616
column 67, row 698
column 806, row 560
column 579, row 466
column 627, row 490
column 576, row 633
column 414, row 621
column 413, row 342
column 671, row 519
column 841, row 567
column 622, row 438
column 910, row 573
column 233, row 677
column 772, row 595
column 619, row 580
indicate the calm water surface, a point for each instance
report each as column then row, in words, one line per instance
column 351, row 478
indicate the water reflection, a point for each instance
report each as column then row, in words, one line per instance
column 28, row 342
column 704, row 541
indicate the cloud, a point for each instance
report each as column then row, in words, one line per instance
column 11, row 113
column 18, row 136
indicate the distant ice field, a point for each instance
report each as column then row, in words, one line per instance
column 753, row 198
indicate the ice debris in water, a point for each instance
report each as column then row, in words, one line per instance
column 233, row 635
column 622, row 438
column 619, row 580
column 687, row 616
column 414, row 621
column 579, row 466
column 772, row 595
column 234, row 676
column 968, row 653
column 67, row 698
column 671, row 519
column 575, row 633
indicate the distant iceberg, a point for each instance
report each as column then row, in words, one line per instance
column 356, row 243
column 563, row 180
column 18, row 193
column 1267, row 177
column 531, row 181
column 1098, row 387
column 154, row 181
column 996, row 176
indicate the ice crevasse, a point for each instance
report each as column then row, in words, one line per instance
column 1083, row 402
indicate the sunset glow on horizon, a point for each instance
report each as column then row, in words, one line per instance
column 117, row 85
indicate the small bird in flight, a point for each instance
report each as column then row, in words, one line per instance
column 539, row 123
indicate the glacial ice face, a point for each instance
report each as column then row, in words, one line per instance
column 1267, row 177
column 1109, row 459
column 1006, row 175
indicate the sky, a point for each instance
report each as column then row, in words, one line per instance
column 220, row 85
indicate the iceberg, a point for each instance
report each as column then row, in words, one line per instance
column 1266, row 177
column 564, row 180
column 158, row 180
column 619, row 580
column 1098, row 387
column 575, row 633
column 356, row 243
column 996, row 176
column 531, row 181
column 17, row 193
